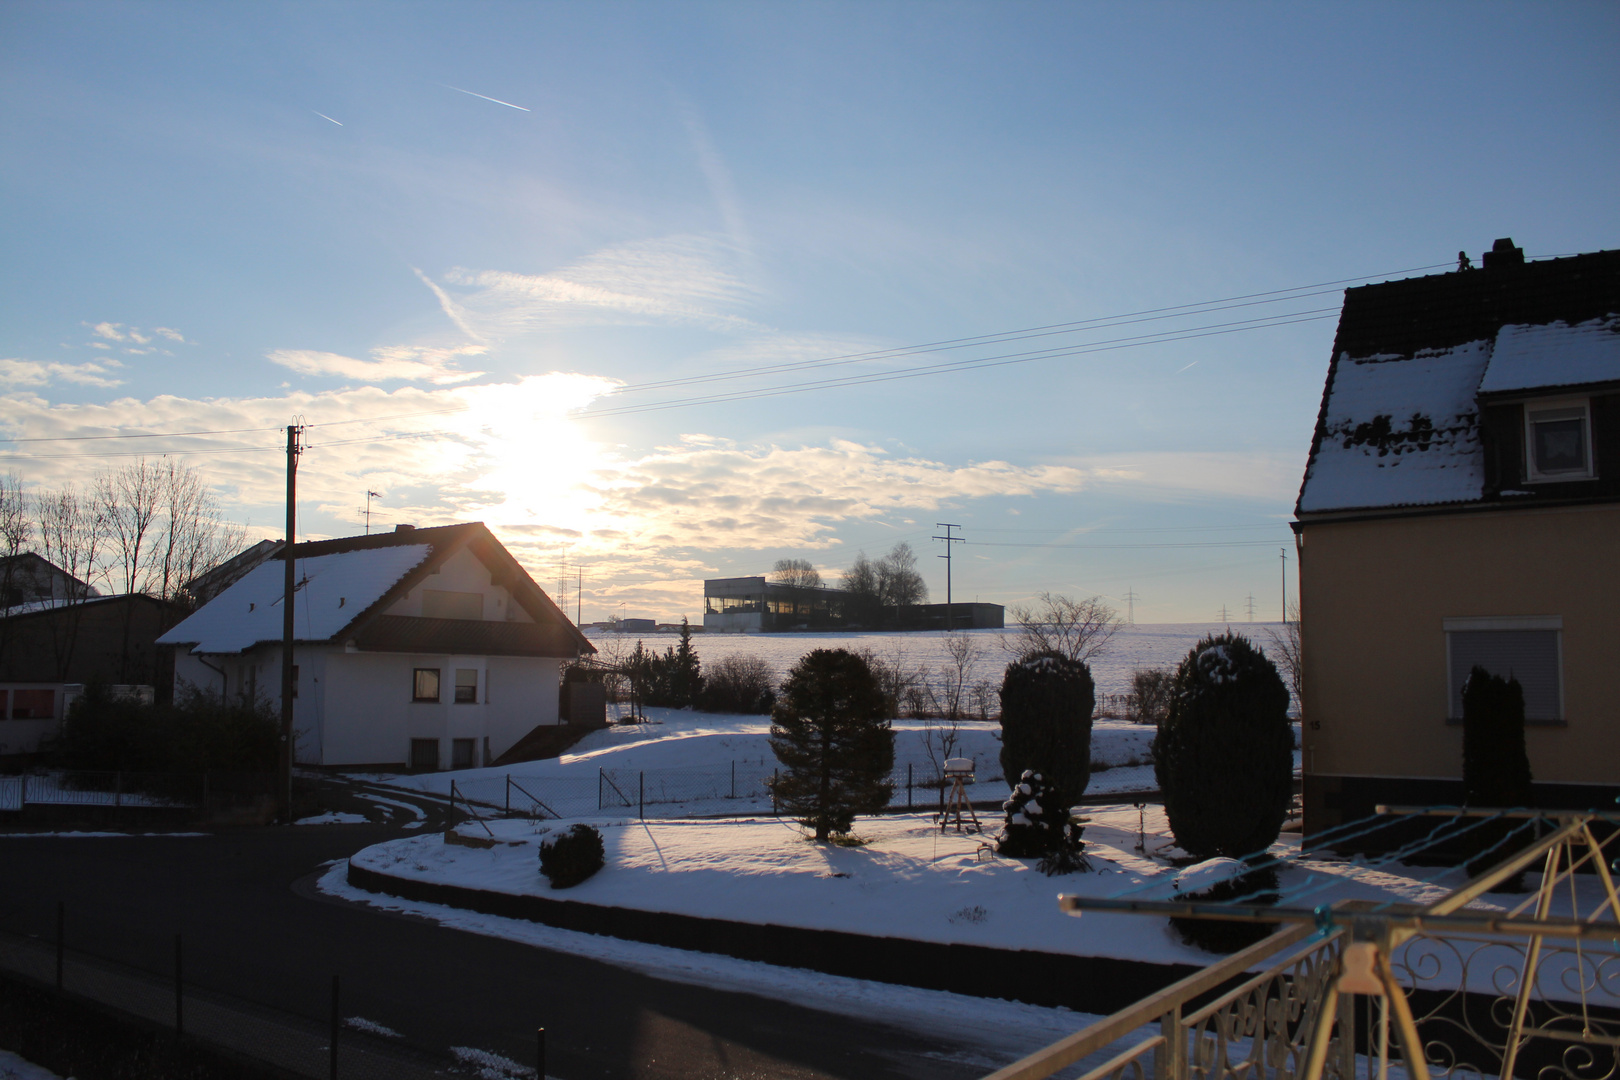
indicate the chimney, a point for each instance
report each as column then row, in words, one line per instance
column 404, row 528
column 1503, row 254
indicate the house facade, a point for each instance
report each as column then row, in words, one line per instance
column 1461, row 507
column 422, row 648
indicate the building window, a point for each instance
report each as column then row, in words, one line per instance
column 425, row 684
column 33, row 704
column 466, row 686
column 462, row 753
column 1557, row 440
column 1527, row 649
column 425, row 754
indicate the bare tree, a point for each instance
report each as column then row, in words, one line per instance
column 16, row 530
column 71, row 532
column 128, row 499
column 796, row 574
column 1286, row 655
column 195, row 535
column 899, row 584
column 1077, row 629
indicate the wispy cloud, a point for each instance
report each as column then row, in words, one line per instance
column 469, row 93
column 132, row 336
column 109, row 330
column 18, row 372
column 391, row 363
column 687, row 280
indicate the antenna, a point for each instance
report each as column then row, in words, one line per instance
column 369, row 496
column 950, row 611
column 295, row 447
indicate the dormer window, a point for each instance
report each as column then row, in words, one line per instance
column 1558, row 440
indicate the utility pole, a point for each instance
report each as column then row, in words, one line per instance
column 579, row 588
column 950, row 611
column 369, row 496
column 1284, row 553
column 295, row 434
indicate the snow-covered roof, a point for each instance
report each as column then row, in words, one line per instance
column 1553, row 355
column 1400, row 431
column 332, row 590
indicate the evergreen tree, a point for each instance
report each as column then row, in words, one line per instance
column 830, row 729
column 685, row 674
column 1046, row 705
column 1224, row 753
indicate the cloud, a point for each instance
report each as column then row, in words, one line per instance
column 172, row 335
column 684, row 280
column 1258, row 474
column 112, row 331
column 109, row 330
column 389, row 363
column 17, row 372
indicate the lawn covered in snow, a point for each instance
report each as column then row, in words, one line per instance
column 909, row 880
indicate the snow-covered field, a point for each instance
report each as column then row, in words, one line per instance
column 1145, row 645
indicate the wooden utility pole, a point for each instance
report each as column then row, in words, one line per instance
column 950, row 612
column 295, row 433
column 1284, row 553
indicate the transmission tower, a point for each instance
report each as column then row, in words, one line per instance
column 1130, row 606
column 1251, row 607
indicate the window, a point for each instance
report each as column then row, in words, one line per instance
column 466, row 686
column 443, row 604
column 425, row 684
column 1557, row 440
column 425, row 754
column 1528, row 649
column 462, row 753
column 33, row 704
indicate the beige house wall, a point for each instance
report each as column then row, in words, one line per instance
column 1373, row 598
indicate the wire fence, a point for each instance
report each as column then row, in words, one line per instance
column 206, row 792
column 732, row 788
column 318, row 1028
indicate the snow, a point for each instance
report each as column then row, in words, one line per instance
column 909, row 881
column 332, row 590
column 994, row 1032
column 488, row 1065
column 1429, row 453
column 371, row 1027
column 13, row 1067
column 333, row 817
column 1208, row 874
column 1554, row 354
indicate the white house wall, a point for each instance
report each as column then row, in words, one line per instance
column 463, row 572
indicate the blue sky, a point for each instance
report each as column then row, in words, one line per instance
column 222, row 216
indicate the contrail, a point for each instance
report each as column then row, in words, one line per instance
column 323, row 116
column 1180, row 370
column 497, row 101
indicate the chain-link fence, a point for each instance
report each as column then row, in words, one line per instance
column 141, row 982
column 199, row 794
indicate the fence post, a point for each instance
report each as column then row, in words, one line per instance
column 733, row 778
column 179, row 1001
column 908, row 785
column 450, row 821
column 599, row 788
column 509, row 793
column 776, row 774
column 337, row 1025
column 61, row 926
column 540, row 1054
column 1170, row 1060
column 641, row 795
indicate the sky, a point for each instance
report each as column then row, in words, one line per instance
column 669, row 291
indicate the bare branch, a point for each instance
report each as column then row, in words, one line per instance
column 1077, row 629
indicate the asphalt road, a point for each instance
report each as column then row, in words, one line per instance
column 253, row 927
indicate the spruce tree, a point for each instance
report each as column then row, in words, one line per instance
column 1046, row 705
column 831, row 731
column 1224, row 753
column 685, row 673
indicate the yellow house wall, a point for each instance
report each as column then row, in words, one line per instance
column 1373, row 596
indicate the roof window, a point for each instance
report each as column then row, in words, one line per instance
column 1558, row 440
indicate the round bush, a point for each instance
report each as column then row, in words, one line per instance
column 1224, row 754
column 1046, row 705
column 572, row 857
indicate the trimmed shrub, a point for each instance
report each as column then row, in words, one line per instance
column 1046, row 705
column 1224, row 754
column 1220, row 935
column 572, row 857
column 1038, row 826
column 830, row 730
column 739, row 684
column 201, row 731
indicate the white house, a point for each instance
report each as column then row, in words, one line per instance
column 431, row 648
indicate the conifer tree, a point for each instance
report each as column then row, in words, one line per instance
column 831, row 731
column 1046, row 705
column 1224, row 754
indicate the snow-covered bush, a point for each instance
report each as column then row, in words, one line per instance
column 1038, row 825
column 1224, row 753
column 1046, row 705
column 1224, row 881
column 572, row 857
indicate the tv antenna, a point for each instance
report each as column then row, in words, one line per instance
column 369, row 496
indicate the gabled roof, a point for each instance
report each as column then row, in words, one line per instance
column 1399, row 425
column 343, row 587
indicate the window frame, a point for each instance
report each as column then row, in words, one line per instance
column 1532, row 473
column 472, row 698
column 1487, row 623
column 471, row 746
column 416, row 684
column 411, row 760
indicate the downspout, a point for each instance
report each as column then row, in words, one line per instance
column 224, row 682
